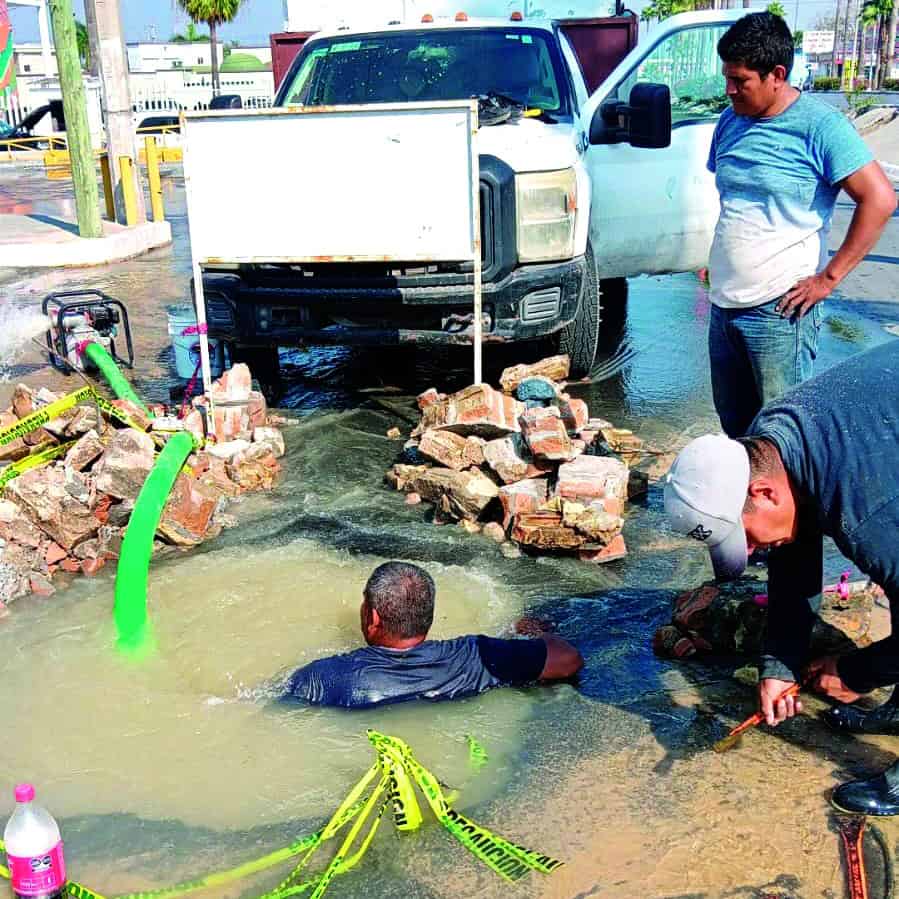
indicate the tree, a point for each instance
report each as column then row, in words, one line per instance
column 190, row 36
column 662, row 9
column 777, row 8
column 84, row 44
column 797, row 39
column 213, row 13
column 876, row 14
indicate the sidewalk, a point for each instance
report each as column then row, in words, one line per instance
column 47, row 241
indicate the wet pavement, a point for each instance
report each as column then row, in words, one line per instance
column 188, row 765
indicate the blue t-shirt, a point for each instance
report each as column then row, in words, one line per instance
column 838, row 437
column 778, row 181
column 435, row 669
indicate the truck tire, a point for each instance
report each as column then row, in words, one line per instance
column 580, row 338
column 264, row 366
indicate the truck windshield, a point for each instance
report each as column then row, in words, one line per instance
column 438, row 64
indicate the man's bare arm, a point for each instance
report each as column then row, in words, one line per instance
column 875, row 201
column 562, row 659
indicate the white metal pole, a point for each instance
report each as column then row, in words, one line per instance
column 476, row 244
column 200, row 300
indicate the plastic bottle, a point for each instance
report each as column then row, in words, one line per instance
column 34, row 849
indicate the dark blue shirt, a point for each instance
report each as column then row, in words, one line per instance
column 435, row 669
column 838, row 436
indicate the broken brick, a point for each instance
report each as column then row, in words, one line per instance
column 588, row 478
column 545, row 434
column 555, row 368
column 522, row 497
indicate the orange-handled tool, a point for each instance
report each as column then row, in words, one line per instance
column 733, row 737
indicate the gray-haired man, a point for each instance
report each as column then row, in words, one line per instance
column 400, row 663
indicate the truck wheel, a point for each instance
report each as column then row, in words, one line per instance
column 580, row 338
column 264, row 365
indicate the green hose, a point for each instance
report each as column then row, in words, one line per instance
column 116, row 380
column 130, row 610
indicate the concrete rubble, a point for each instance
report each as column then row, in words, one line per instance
column 728, row 619
column 526, row 465
column 70, row 514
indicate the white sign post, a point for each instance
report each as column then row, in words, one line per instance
column 392, row 182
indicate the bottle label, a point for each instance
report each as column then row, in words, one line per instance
column 39, row 874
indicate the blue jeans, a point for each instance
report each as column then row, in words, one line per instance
column 756, row 355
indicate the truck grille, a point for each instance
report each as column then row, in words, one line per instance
column 541, row 306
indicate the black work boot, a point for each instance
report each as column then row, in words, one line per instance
column 876, row 796
column 849, row 719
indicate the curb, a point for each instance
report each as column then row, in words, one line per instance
column 74, row 252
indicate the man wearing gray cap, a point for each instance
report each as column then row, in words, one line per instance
column 822, row 459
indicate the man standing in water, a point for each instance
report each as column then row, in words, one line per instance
column 780, row 158
column 400, row 663
column 823, row 459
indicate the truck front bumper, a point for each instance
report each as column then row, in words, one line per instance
column 531, row 302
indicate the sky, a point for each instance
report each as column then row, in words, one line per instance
column 257, row 19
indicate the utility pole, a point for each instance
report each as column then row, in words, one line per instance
column 93, row 40
column 74, row 104
column 120, row 140
column 891, row 41
column 844, row 35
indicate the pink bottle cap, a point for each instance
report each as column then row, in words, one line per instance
column 24, row 793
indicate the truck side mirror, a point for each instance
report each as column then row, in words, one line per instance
column 645, row 121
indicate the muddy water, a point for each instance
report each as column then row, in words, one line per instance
column 186, row 762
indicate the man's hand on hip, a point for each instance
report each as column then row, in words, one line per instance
column 823, row 677
column 800, row 298
column 776, row 710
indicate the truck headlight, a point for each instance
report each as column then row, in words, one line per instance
column 546, row 208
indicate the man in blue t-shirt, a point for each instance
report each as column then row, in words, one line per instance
column 780, row 158
column 400, row 663
column 822, row 459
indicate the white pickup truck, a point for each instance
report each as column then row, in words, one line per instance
column 579, row 189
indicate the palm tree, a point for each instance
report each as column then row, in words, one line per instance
column 190, row 36
column 213, row 13
column 875, row 14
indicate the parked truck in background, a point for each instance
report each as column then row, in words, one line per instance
column 592, row 170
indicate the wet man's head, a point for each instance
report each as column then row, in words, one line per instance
column 757, row 53
column 733, row 496
column 397, row 604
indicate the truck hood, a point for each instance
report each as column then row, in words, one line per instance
column 529, row 145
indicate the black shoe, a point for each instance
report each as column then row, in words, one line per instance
column 875, row 796
column 849, row 719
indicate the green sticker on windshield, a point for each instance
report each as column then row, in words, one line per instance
column 346, row 47
column 527, row 39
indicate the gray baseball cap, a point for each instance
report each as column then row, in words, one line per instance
column 705, row 491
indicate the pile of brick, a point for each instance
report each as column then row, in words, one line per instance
column 70, row 514
column 525, row 464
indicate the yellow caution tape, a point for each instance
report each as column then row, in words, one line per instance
column 398, row 768
column 41, row 457
column 406, row 813
column 41, row 416
column 507, row 859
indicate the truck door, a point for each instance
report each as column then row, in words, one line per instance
column 654, row 210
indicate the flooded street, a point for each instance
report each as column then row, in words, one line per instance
column 187, row 762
